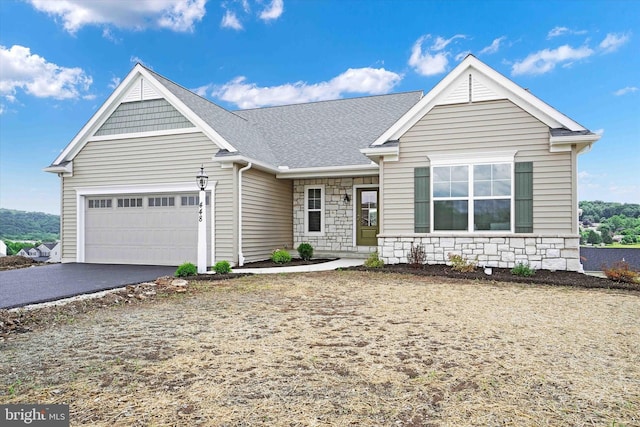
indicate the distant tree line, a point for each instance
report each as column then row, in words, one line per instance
column 613, row 219
column 597, row 211
column 21, row 225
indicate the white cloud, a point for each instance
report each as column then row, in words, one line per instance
column 371, row 81
column 494, row 46
column 272, row 12
column 230, row 20
column 175, row 15
column 137, row 60
column 115, row 81
column 545, row 60
column 625, row 90
column 612, row 42
column 2, row 109
column 560, row 31
column 33, row 74
column 433, row 60
column 202, row 90
column 557, row 31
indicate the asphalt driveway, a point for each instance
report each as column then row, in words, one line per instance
column 53, row 282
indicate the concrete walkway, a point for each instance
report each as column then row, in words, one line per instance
column 323, row 266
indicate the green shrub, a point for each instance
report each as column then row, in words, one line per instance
column 374, row 261
column 222, row 267
column 281, row 256
column 460, row 264
column 186, row 269
column 522, row 270
column 305, row 250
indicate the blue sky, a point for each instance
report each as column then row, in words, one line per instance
column 60, row 60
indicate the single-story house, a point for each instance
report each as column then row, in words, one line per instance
column 477, row 166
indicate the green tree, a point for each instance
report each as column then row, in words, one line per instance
column 594, row 238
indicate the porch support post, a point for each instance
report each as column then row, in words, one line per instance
column 202, row 233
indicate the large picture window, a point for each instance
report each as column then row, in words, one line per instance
column 314, row 210
column 473, row 197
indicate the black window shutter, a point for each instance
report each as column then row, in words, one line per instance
column 524, row 197
column 422, row 199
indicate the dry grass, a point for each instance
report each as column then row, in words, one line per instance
column 339, row 349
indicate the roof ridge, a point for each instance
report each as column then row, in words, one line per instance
column 330, row 100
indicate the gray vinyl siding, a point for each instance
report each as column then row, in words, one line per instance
column 267, row 214
column 476, row 127
column 152, row 160
column 143, row 116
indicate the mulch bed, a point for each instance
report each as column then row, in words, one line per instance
column 541, row 277
column 294, row 262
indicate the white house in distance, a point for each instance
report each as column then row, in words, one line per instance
column 45, row 252
column 3, row 248
column 477, row 166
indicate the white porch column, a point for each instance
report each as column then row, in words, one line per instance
column 202, row 233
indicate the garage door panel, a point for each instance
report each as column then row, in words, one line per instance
column 156, row 235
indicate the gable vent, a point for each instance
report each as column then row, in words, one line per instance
column 141, row 90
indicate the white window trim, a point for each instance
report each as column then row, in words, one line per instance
column 487, row 158
column 306, row 210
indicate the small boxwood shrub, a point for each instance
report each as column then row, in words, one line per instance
column 281, row 256
column 523, row 270
column 374, row 261
column 305, row 250
column 186, row 269
column 222, row 267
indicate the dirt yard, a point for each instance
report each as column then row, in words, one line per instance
column 340, row 349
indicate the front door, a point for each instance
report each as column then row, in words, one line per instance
column 366, row 216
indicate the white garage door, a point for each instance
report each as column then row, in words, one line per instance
column 153, row 229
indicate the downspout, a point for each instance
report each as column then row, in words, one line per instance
column 240, row 255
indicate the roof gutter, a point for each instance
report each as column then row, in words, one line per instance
column 240, row 254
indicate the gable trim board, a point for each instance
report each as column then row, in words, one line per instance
column 473, row 115
column 501, row 88
column 118, row 96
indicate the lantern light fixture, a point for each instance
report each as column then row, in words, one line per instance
column 202, row 179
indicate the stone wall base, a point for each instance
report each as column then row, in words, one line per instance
column 539, row 252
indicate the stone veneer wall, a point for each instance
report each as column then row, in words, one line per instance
column 540, row 252
column 338, row 215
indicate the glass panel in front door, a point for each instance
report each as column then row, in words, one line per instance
column 369, row 208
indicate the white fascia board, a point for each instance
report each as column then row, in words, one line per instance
column 112, row 102
column 227, row 161
column 331, row 171
column 188, row 113
column 564, row 143
column 66, row 169
column 384, row 151
column 105, row 110
column 389, row 154
column 512, row 91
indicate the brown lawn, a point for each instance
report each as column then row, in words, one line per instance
column 340, row 349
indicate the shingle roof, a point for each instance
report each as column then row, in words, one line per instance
column 567, row 132
column 328, row 133
column 317, row 134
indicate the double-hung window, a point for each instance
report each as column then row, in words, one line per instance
column 472, row 195
column 314, row 210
